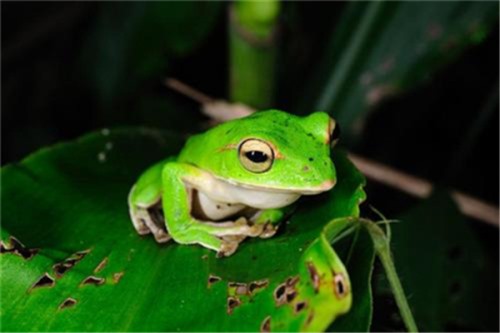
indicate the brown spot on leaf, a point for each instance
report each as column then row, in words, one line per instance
column 101, row 265
column 213, row 279
column 292, row 281
column 16, row 247
column 44, row 281
column 68, row 302
column 239, row 288
column 310, row 318
column 117, row 277
column 97, row 281
column 242, row 290
column 313, row 274
column 266, row 325
column 232, row 303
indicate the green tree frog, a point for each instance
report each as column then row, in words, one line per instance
column 236, row 180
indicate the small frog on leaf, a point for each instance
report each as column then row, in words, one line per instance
column 236, row 180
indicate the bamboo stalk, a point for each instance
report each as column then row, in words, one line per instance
column 252, row 51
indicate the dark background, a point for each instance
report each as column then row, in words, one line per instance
column 445, row 130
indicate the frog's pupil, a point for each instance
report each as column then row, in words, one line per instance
column 256, row 156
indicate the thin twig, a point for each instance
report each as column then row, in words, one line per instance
column 384, row 174
column 422, row 188
column 188, row 91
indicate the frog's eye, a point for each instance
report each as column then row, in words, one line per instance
column 340, row 285
column 256, row 155
column 334, row 132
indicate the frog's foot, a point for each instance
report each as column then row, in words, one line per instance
column 240, row 227
column 137, row 216
column 150, row 220
column 268, row 230
column 229, row 245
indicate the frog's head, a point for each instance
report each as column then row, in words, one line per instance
column 273, row 150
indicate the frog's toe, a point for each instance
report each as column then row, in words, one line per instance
column 268, row 231
column 157, row 228
column 161, row 236
column 229, row 245
column 137, row 218
column 150, row 220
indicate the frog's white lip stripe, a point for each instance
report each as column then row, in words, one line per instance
column 325, row 186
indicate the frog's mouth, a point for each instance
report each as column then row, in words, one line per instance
column 323, row 187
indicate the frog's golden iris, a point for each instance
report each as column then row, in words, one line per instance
column 256, row 155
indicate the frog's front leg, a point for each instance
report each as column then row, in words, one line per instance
column 177, row 182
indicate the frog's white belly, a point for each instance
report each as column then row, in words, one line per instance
column 219, row 199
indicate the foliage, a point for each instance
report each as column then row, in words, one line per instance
column 380, row 49
column 77, row 217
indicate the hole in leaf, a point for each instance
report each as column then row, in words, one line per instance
column 286, row 292
column 213, row 279
column 300, row 306
column 68, row 302
column 44, row 281
column 290, row 295
column 266, row 325
column 257, row 285
column 232, row 303
column 279, row 294
column 62, row 267
column 16, row 247
column 97, row 281
column 340, row 285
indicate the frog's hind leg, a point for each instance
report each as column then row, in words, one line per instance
column 144, row 203
column 149, row 220
column 138, row 215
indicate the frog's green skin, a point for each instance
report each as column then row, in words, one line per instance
column 209, row 197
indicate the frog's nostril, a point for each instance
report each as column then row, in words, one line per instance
column 305, row 168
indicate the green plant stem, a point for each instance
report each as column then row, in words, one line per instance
column 397, row 289
column 253, row 50
column 382, row 248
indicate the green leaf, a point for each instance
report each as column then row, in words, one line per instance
column 360, row 255
column 385, row 48
column 448, row 274
column 70, row 202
